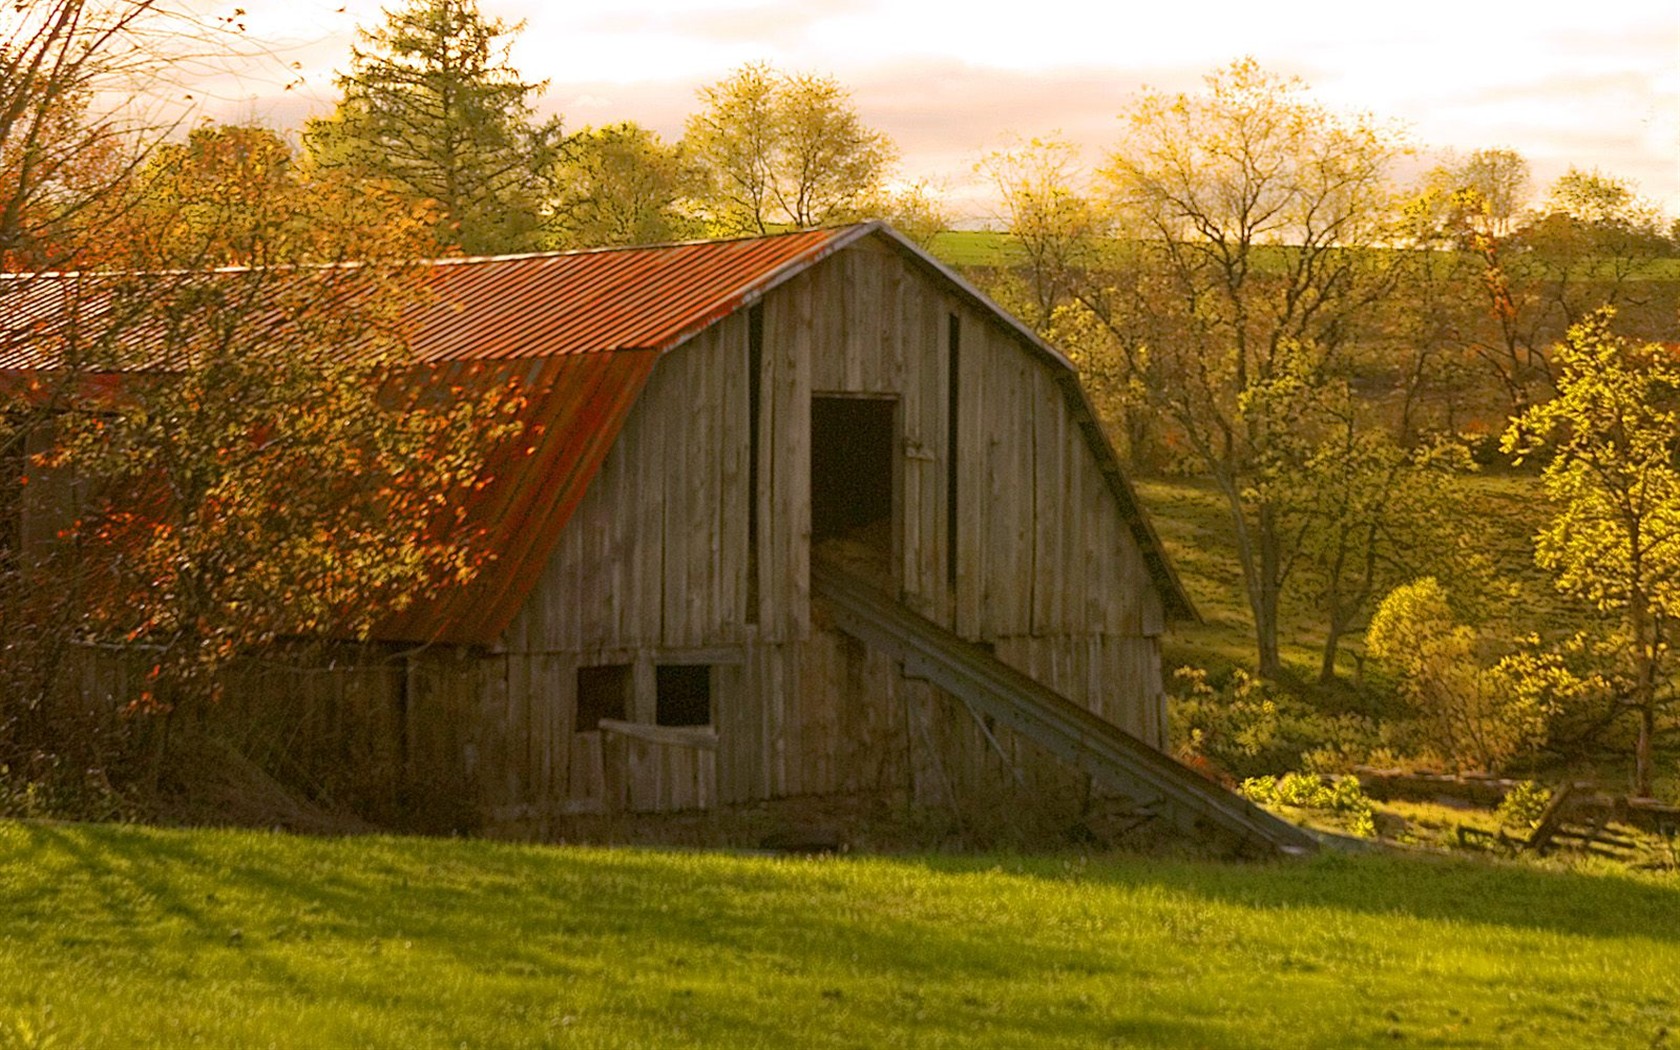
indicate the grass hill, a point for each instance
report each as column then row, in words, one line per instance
column 124, row 936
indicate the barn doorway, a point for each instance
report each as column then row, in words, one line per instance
column 852, row 441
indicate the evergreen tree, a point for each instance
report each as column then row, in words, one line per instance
column 432, row 108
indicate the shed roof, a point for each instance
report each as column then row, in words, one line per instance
column 583, row 331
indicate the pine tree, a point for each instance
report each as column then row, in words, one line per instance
column 432, row 108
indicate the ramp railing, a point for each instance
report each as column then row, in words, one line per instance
column 1078, row 736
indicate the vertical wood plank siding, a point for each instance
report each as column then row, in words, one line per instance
column 652, row 566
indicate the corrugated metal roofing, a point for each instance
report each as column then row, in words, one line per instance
column 575, row 406
column 590, row 302
column 582, row 332
column 594, row 323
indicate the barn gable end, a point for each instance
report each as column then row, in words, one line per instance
column 694, row 544
column 800, row 517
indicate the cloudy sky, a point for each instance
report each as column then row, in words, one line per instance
column 1591, row 85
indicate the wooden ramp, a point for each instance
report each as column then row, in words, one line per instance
column 993, row 689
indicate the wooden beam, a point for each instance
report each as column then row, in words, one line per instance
column 700, row 738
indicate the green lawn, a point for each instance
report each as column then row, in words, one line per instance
column 990, row 248
column 124, row 936
column 983, row 248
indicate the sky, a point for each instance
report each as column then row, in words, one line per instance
column 1584, row 85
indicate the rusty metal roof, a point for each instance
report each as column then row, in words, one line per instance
column 597, row 301
column 581, row 332
column 590, row 325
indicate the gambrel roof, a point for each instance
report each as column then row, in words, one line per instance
column 581, row 332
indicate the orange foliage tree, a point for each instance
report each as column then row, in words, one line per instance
column 215, row 435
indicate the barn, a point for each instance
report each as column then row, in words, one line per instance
column 801, row 519
column 747, row 444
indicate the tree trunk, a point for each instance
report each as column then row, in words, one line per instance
column 1257, row 554
column 1642, row 752
column 1266, row 608
column 1644, row 687
column 1327, row 661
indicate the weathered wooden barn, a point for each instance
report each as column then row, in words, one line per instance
column 719, row 418
column 799, row 516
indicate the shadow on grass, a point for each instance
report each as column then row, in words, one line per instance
column 1429, row 888
column 969, row 947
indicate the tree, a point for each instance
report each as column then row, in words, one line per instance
column 1253, row 215
column 194, row 464
column 62, row 159
column 432, row 108
column 620, row 185
column 780, row 149
column 273, row 465
column 1049, row 211
column 1471, row 715
column 236, row 195
column 1534, row 271
column 1363, row 514
column 1613, row 541
column 916, row 210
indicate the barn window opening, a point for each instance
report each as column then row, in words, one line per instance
column 602, row 692
column 683, row 695
column 852, row 480
column 13, row 466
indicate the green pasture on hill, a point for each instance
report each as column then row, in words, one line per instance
column 994, row 248
column 1195, row 526
column 125, row 936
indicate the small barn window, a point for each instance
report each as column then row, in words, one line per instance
column 602, row 692
column 13, row 467
column 683, row 695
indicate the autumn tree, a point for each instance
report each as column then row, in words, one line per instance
column 620, row 185
column 1520, row 273
column 784, row 150
column 1468, row 710
column 63, row 159
column 917, row 210
column 432, row 109
column 1253, row 213
column 276, row 466
column 1050, row 211
column 238, row 195
column 195, row 464
column 1612, row 435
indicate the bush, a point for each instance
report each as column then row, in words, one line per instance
column 1474, row 718
column 1247, row 727
column 1341, row 796
column 1524, row 805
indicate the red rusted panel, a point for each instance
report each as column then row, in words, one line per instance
column 583, row 302
column 586, row 329
column 575, row 407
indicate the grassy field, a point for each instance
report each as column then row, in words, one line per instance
column 123, row 936
column 988, row 248
column 991, row 248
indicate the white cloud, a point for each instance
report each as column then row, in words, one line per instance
column 1562, row 83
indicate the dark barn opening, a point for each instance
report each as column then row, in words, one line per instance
column 683, row 695
column 852, row 480
column 602, row 692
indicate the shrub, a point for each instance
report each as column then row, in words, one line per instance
column 1247, row 727
column 1523, row 805
column 1471, row 716
column 1341, row 796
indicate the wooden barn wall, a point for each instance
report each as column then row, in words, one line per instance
column 387, row 736
column 653, row 566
